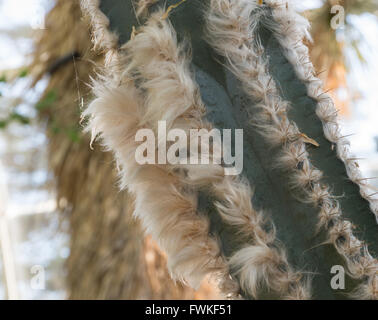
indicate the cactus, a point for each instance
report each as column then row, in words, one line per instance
column 310, row 209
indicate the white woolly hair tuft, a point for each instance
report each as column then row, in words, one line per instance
column 166, row 207
column 256, row 267
column 102, row 38
column 264, row 263
column 166, row 202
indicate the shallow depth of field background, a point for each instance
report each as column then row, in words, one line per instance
column 33, row 236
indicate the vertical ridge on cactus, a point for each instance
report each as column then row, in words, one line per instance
column 233, row 31
column 167, row 208
column 278, row 93
column 298, row 56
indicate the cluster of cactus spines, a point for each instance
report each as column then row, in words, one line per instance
column 360, row 263
column 291, row 35
column 232, row 31
column 149, row 79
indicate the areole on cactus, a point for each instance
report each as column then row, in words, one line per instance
column 237, row 64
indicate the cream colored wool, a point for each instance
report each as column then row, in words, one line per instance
column 255, row 266
column 231, row 30
column 182, row 97
column 168, row 212
column 162, row 73
column 167, row 208
column 103, row 39
column 170, row 94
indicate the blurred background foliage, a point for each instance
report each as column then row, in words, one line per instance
column 64, row 210
column 329, row 46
